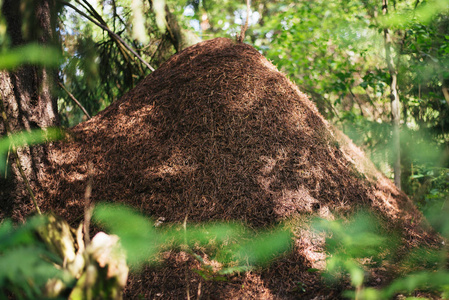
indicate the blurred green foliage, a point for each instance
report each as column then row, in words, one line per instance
column 29, row 54
column 225, row 242
column 354, row 246
column 349, row 243
column 359, row 246
column 26, row 138
column 26, row 264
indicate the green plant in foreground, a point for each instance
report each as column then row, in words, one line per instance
column 24, row 138
column 358, row 245
column 26, row 264
column 354, row 246
column 428, row 266
column 230, row 242
column 30, row 54
column 45, row 258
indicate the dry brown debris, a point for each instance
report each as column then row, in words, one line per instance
column 217, row 133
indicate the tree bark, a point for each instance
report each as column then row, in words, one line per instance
column 180, row 37
column 27, row 97
column 395, row 105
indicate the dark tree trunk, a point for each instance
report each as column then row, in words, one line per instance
column 27, row 97
column 179, row 37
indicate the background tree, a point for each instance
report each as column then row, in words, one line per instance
column 88, row 46
column 394, row 96
column 27, row 93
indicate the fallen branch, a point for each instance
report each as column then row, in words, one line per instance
column 88, row 207
column 74, row 100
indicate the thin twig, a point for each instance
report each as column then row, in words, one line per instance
column 356, row 99
column 88, row 208
column 186, row 273
column 100, row 20
column 7, row 161
column 17, row 159
column 89, row 8
column 241, row 37
column 85, row 7
column 74, row 100
column 110, row 32
column 199, row 290
column 93, row 11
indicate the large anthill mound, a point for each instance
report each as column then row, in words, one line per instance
column 217, row 133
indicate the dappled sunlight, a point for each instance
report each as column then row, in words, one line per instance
column 288, row 202
column 177, row 164
column 214, row 134
column 311, row 244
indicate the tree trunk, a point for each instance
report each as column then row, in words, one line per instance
column 395, row 107
column 179, row 37
column 27, row 97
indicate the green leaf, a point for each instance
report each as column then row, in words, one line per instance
column 137, row 234
column 420, row 280
column 36, row 136
column 30, row 54
column 207, row 233
column 25, row 263
column 265, row 246
column 357, row 275
column 23, row 235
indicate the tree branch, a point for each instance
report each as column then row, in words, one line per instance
column 104, row 27
column 241, row 37
column 394, row 96
column 74, row 100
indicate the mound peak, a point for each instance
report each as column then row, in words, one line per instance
column 218, row 133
